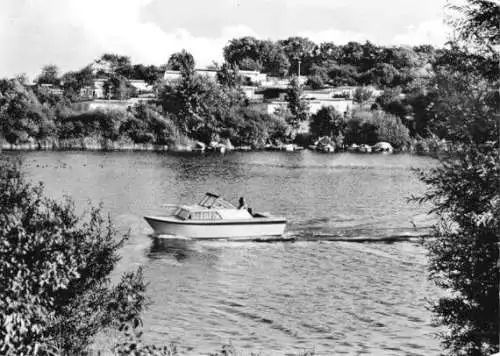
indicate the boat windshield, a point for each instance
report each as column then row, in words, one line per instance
column 214, row 201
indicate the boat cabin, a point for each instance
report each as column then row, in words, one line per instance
column 211, row 207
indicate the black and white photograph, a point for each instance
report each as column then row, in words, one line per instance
column 249, row 177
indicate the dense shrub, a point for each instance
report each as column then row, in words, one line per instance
column 299, row 108
column 55, row 290
column 105, row 123
column 142, row 124
column 464, row 256
column 199, row 105
column 375, row 126
column 358, row 128
column 304, row 139
column 22, row 116
column 389, row 128
column 248, row 126
column 146, row 125
column 315, row 82
column 327, row 122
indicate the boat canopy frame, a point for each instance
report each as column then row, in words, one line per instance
column 211, row 200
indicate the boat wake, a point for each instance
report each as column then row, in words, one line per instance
column 296, row 236
column 300, row 236
column 169, row 237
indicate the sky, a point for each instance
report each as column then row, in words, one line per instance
column 72, row 33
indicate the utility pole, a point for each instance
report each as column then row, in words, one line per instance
column 299, row 70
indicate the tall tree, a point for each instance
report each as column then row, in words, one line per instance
column 150, row 74
column 478, row 22
column 361, row 95
column 228, row 75
column 49, row 75
column 245, row 52
column 114, row 64
column 300, row 52
column 371, row 55
column 118, row 87
column 274, row 59
column 327, row 122
column 464, row 255
column 465, row 191
column 73, row 82
column 352, row 53
column 22, row 117
column 299, row 107
column 329, row 51
column 182, row 61
column 199, row 105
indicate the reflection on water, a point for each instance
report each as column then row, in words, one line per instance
column 350, row 279
column 171, row 247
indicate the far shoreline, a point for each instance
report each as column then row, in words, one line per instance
column 173, row 149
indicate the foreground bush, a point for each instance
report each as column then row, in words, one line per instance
column 464, row 188
column 464, row 255
column 55, row 289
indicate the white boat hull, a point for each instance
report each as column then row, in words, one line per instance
column 232, row 229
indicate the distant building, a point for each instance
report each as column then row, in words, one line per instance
column 280, row 83
column 251, row 93
column 52, row 89
column 344, row 91
column 86, row 92
column 94, row 91
column 98, row 91
column 375, row 92
column 209, row 73
column 122, row 105
column 249, row 77
column 343, row 106
column 143, row 89
column 272, row 93
column 252, row 77
column 318, row 94
column 275, row 83
column 276, row 105
column 171, row 75
column 141, row 86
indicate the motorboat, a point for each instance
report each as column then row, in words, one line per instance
column 212, row 218
column 324, row 144
column 383, row 147
column 353, row 148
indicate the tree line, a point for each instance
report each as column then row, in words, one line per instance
column 327, row 63
column 195, row 107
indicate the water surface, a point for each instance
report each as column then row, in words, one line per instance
column 353, row 282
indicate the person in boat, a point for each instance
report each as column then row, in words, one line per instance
column 242, row 204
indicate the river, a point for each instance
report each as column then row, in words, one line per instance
column 353, row 280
